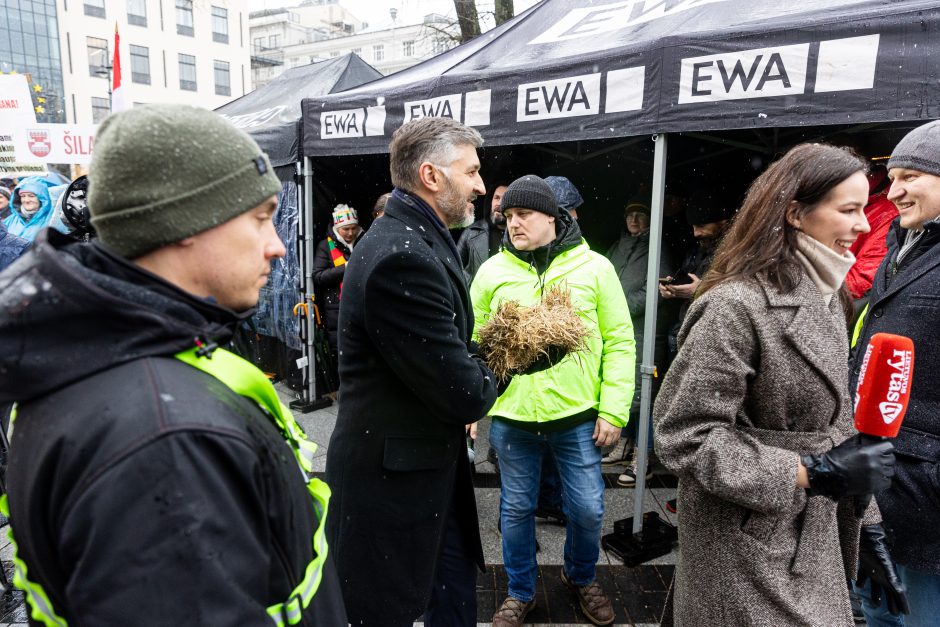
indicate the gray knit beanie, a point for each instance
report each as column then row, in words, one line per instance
column 530, row 192
column 919, row 150
column 164, row 172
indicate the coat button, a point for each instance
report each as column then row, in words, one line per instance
column 878, row 312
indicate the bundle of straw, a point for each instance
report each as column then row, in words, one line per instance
column 515, row 336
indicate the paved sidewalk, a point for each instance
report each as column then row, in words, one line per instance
column 638, row 593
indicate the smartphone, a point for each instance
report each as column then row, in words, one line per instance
column 666, row 280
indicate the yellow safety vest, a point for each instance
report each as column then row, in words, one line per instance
column 246, row 380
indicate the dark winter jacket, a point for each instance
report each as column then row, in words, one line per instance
column 142, row 491
column 397, row 460
column 630, row 257
column 327, row 279
column 905, row 299
column 11, row 247
column 474, row 247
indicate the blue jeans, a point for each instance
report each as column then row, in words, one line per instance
column 520, row 464
column 923, row 593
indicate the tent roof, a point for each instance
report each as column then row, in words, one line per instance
column 583, row 69
column 271, row 113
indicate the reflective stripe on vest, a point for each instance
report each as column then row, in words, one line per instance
column 857, row 331
column 40, row 607
column 243, row 378
column 246, row 380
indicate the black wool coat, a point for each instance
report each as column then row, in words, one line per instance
column 908, row 304
column 327, row 279
column 397, row 459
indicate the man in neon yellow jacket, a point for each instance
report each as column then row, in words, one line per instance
column 574, row 408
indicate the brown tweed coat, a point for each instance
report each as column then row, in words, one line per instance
column 760, row 377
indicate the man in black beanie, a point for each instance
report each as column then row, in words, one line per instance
column 571, row 409
column 905, row 300
column 154, row 478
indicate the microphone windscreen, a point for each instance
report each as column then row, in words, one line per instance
column 884, row 385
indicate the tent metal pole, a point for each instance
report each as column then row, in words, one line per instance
column 647, row 367
column 307, row 267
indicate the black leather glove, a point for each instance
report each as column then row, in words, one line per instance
column 546, row 360
column 854, row 467
column 875, row 563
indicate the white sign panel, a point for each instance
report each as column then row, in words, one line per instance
column 16, row 112
column 352, row 123
column 55, row 143
column 846, row 64
column 757, row 73
column 625, row 89
column 440, row 107
column 559, row 98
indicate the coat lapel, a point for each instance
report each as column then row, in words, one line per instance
column 434, row 238
column 813, row 331
column 918, row 268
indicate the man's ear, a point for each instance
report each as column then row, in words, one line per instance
column 792, row 218
column 430, row 176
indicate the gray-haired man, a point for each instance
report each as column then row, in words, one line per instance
column 404, row 525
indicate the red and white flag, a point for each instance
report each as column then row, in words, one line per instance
column 117, row 92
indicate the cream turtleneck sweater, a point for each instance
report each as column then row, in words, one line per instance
column 825, row 267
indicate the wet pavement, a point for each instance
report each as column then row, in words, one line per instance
column 638, row 594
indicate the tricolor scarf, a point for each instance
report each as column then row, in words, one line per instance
column 338, row 259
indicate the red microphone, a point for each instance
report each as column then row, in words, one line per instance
column 884, row 385
column 883, row 391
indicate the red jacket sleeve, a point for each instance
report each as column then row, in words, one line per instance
column 870, row 248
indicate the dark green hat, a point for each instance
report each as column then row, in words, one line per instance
column 164, row 172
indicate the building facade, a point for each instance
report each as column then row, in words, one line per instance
column 387, row 49
column 186, row 51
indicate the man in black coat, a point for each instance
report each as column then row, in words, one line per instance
column 905, row 300
column 403, row 527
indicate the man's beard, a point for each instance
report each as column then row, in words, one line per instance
column 454, row 206
column 498, row 220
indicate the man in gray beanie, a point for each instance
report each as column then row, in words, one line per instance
column 153, row 476
column 904, row 300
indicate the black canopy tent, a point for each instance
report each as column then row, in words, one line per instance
column 573, row 70
column 272, row 116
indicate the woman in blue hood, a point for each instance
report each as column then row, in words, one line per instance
column 32, row 209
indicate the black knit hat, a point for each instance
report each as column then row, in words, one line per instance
column 919, row 150
column 705, row 208
column 530, row 192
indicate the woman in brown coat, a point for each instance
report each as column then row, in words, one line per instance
column 755, row 417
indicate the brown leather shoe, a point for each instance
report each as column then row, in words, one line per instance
column 594, row 603
column 512, row 612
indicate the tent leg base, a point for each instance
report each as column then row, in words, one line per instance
column 656, row 539
column 305, row 407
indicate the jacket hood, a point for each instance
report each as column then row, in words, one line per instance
column 42, row 193
column 71, row 309
column 568, row 235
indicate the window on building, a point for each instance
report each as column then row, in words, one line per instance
column 220, row 25
column 95, row 8
column 140, row 64
column 223, row 80
column 98, row 58
column 408, row 48
column 259, row 43
column 184, row 17
column 187, row 72
column 357, row 51
column 440, row 45
column 137, row 12
column 100, row 108
column 378, row 53
column 274, row 41
column 334, row 54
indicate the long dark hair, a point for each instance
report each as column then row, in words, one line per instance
column 760, row 241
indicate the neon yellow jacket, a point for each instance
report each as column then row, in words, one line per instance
column 600, row 377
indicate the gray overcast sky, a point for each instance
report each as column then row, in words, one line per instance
column 375, row 12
